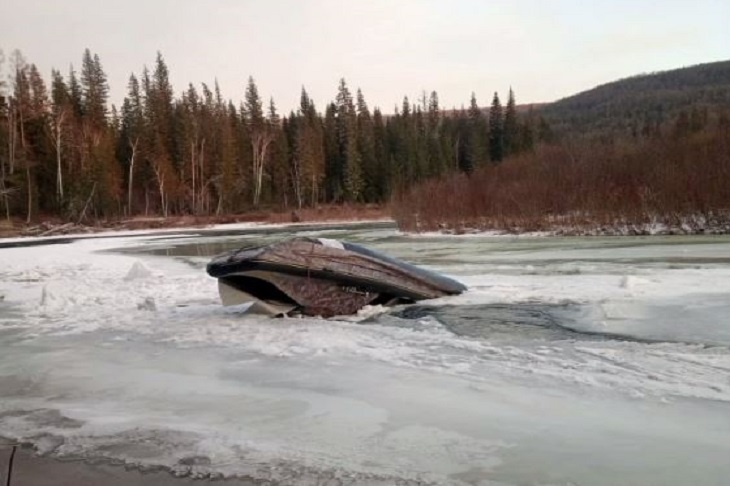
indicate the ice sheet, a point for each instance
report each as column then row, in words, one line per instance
column 583, row 361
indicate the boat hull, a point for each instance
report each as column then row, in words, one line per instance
column 322, row 277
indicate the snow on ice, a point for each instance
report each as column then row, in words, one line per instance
column 569, row 360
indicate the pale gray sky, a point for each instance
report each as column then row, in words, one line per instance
column 544, row 49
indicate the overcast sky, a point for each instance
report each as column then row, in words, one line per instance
column 544, row 49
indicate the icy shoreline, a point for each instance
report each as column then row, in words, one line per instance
column 557, row 226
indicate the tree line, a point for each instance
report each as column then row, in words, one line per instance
column 674, row 176
column 64, row 151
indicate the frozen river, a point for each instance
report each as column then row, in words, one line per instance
column 585, row 361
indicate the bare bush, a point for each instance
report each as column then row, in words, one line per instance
column 583, row 187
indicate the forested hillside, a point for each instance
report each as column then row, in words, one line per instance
column 641, row 104
column 631, row 156
column 65, row 152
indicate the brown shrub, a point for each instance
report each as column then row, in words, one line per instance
column 580, row 185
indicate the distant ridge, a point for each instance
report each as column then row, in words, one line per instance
column 622, row 107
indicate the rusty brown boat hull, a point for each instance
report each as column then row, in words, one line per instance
column 322, row 277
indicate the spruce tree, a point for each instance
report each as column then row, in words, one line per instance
column 475, row 136
column 309, row 150
column 366, row 149
column 278, row 173
column 95, row 90
column 333, row 168
column 496, row 131
column 511, row 127
column 436, row 158
column 261, row 136
column 383, row 173
column 132, row 128
column 160, row 137
column 351, row 175
column 61, row 113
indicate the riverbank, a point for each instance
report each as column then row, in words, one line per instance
column 324, row 213
column 572, row 225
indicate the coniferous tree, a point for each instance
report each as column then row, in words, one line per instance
column 226, row 173
column 475, row 136
column 420, row 161
column 496, row 131
column 348, row 159
column 278, row 175
column 199, row 153
column 296, row 141
column 75, row 94
column 436, row 164
column 261, row 137
column 366, row 148
column 37, row 151
column 160, row 151
column 511, row 126
column 61, row 115
column 308, row 151
column 95, row 91
column 383, row 173
column 132, row 128
column 27, row 127
column 406, row 156
column 333, row 168
column 461, row 129
column 526, row 136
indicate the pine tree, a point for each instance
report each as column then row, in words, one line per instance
column 383, row 175
column 475, row 137
column 160, row 139
column 511, row 127
column 35, row 128
column 278, row 173
column 228, row 175
column 132, row 128
column 526, row 139
column 61, row 113
column 462, row 142
column 98, row 188
column 333, row 168
column 309, row 151
column 496, row 131
column 261, row 137
column 436, row 157
column 95, row 91
column 421, row 162
column 406, row 154
column 366, row 149
column 351, row 181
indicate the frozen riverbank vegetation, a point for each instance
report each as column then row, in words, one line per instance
column 673, row 183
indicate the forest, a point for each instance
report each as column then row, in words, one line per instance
column 651, row 149
column 641, row 104
column 650, row 153
column 64, row 152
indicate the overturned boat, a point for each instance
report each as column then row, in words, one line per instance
column 323, row 277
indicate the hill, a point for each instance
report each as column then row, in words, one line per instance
column 642, row 103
